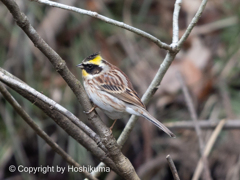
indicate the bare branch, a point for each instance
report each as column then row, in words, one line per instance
column 153, row 165
column 95, row 172
column 109, row 21
column 177, row 7
column 39, row 131
column 193, row 23
column 172, row 167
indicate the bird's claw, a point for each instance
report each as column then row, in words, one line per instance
column 91, row 110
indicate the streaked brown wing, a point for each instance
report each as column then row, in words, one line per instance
column 117, row 84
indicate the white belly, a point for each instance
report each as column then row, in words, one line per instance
column 111, row 106
column 115, row 114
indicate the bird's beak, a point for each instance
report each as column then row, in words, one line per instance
column 80, row 65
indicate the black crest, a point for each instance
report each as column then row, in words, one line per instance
column 91, row 56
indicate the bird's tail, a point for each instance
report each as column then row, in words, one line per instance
column 149, row 117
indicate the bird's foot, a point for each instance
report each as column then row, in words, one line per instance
column 91, row 110
column 113, row 125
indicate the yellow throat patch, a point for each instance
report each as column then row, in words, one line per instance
column 84, row 73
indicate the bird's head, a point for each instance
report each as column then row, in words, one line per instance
column 92, row 65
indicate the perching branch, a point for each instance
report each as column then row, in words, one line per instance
column 124, row 167
column 108, row 20
column 60, row 119
column 145, row 99
column 39, row 131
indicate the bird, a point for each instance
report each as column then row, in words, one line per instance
column 111, row 90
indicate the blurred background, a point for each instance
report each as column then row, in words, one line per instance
column 209, row 63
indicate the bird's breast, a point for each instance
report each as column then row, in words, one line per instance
column 104, row 100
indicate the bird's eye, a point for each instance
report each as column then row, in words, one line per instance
column 89, row 66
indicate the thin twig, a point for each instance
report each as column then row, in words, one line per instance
column 172, row 167
column 153, row 165
column 39, row 131
column 193, row 114
column 204, row 124
column 226, row 100
column 18, row 150
column 207, row 150
column 108, row 20
column 193, row 23
column 192, row 111
column 176, row 11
